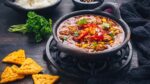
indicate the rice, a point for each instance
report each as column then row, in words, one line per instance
column 33, row 4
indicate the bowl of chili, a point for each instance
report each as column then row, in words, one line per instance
column 110, row 11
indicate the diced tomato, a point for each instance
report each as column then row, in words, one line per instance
column 97, row 37
column 88, row 25
column 81, row 36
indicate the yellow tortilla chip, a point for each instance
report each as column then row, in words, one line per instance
column 44, row 79
column 9, row 75
column 15, row 68
column 16, row 57
column 28, row 67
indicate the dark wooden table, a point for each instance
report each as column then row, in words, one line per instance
column 13, row 41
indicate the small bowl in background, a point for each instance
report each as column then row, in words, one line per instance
column 87, row 5
column 11, row 4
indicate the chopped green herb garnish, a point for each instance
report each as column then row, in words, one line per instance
column 82, row 21
column 65, row 38
column 76, row 33
column 112, row 35
column 94, row 44
column 106, row 25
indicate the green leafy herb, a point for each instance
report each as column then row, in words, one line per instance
column 106, row 25
column 18, row 28
column 65, row 38
column 94, row 44
column 82, row 21
column 36, row 25
column 76, row 33
column 112, row 35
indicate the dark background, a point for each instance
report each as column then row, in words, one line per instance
column 14, row 41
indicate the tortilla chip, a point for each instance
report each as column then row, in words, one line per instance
column 44, row 79
column 16, row 57
column 15, row 68
column 9, row 75
column 29, row 66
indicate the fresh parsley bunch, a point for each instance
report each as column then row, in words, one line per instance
column 36, row 25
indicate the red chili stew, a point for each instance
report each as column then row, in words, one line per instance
column 91, row 33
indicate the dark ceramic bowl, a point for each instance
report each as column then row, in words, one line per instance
column 115, row 15
column 11, row 4
column 84, row 5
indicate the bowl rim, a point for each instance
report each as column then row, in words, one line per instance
column 101, row 13
column 90, row 3
column 12, row 4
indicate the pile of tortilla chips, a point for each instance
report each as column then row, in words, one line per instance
column 27, row 67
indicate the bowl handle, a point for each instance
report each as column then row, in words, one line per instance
column 111, row 8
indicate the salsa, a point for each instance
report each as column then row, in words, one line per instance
column 92, row 33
